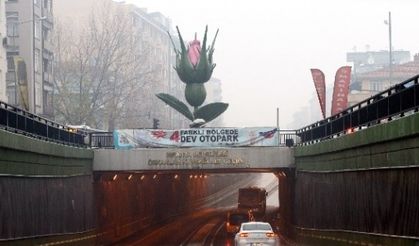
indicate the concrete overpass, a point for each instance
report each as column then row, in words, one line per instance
column 238, row 159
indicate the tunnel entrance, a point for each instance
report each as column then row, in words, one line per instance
column 132, row 202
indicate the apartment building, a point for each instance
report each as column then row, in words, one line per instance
column 157, row 58
column 29, row 55
column 373, row 82
column 214, row 94
column 153, row 28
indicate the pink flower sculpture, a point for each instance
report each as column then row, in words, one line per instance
column 194, row 65
column 194, row 52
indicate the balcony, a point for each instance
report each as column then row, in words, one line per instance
column 47, row 22
column 11, row 43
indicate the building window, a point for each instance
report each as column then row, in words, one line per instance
column 38, row 94
column 47, row 101
column 10, row 63
column 45, row 64
column 36, row 2
column 47, row 5
column 11, row 95
column 37, row 27
column 12, row 20
column 11, row 78
column 375, row 86
column 36, row 65
column 45, row 34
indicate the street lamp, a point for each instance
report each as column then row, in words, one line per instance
column 388, row 22
column 277, row 125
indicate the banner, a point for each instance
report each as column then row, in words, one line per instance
column 320, row 84
column 22, row 82
column 341, row 89
column 196, row 137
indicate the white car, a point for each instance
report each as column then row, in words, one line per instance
column 256, row 233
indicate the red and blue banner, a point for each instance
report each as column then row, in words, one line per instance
column 196, row 137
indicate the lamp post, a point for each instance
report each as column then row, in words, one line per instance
column 388, row 22
column 277, row 125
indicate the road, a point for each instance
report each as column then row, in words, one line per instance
column 205, row 227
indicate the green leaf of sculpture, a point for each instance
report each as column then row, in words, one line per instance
column 210, row 111
column 176, row 104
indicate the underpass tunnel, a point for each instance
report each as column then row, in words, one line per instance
column 128, row 202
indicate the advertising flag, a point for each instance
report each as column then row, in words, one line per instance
column 341, row 89
column 319, row 83
column 22, row 81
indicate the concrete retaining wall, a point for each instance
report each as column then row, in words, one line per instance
column 394, row 144
column 46, row 189
column 361, row 187
column 24, row 156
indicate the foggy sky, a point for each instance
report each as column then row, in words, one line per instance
column 265, row 49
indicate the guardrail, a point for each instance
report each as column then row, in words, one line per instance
column 287, row 138
column 22, row 122
column 101, row 140
column 393, row 102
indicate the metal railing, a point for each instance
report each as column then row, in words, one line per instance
column 287, row 138
column 22, row 122
column 393, row 102
column 101, row 140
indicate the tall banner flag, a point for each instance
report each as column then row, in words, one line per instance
column 341, row 89
column 319, row 83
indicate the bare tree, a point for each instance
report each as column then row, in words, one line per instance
column 99, row 69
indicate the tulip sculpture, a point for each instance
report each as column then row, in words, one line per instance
column 194, row 66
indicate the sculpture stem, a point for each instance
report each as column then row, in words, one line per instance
column 194, row 110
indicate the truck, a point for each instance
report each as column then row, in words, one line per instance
column 253, row 199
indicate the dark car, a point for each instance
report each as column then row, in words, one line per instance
column 235, row 218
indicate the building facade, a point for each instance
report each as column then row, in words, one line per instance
column 149, row 32
column 3, row 61
column 154, row 28
column 29, row 26
column 372, row 82
column 214, row 94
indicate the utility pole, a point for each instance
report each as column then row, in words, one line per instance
column 277, row 125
